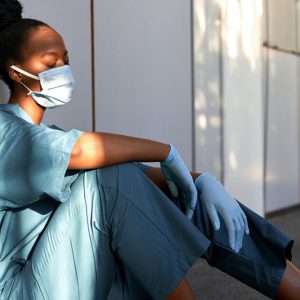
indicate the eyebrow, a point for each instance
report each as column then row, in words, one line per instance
column 52, row 52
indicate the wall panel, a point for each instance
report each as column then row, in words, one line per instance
column 143, row 70
column 282, row 184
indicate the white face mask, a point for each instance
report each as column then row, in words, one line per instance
column 57, row 86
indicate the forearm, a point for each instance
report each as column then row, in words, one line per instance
column 96, row 150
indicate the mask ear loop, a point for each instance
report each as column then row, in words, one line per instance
column 27, row 88
column 26, row 74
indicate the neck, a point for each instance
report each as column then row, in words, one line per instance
column 35, row 111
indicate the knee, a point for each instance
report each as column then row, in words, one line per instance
column 111, row 175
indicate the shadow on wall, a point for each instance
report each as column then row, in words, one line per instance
column 207, row 88
column 227, row 65
column 229, row 94
column 4, row 93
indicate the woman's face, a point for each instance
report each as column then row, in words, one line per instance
column 44, row 50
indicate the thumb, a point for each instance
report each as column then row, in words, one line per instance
column 189, row 213
column 173, row 188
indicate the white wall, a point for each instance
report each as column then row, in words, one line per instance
column 282, row 184
column 4, row 93
column 143, row 70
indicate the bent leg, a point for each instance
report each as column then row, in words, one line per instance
column 182, row 291
column 153, row 239
column 289, row 288
column 260, row 263
column 72, row 258
column 114, row 215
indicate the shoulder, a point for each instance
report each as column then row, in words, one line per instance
column 8, row 115
column 10, row 109
column 7, row 119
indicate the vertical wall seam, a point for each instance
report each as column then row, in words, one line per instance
column 221, row 95
column 297, row 74
column 193, row 133
column 93, row 65
column 266, row 107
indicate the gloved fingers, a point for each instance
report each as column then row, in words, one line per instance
column 241, row 223
column 213, row 216
column 239, row 233
column 190, row 201
column 191, row 197
column 173, row 188
column 245, row 223
column 189, row 213
column 239, row 245
column 231, row 232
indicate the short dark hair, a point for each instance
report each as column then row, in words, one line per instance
column 14, row 32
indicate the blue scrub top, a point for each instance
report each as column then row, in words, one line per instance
column 33, row 166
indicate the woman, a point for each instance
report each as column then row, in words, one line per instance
column 77, row 221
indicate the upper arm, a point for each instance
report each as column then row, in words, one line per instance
column 86, row 153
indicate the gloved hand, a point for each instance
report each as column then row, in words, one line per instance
column 218, row 201
column 178, row 177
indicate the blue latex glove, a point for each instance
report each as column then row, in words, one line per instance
column 218, row 201
column 178, row 177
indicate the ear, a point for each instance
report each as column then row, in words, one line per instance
column 15, row 75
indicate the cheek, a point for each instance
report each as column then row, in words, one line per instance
column 34, row 64
column 34, row 85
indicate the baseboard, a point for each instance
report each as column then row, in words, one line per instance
column 283, row 211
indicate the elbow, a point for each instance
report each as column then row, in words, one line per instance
column 74, row 162
column 77, row 150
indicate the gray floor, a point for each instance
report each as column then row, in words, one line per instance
column 210, row 283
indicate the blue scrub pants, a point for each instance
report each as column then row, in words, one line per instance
column 119, row 237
